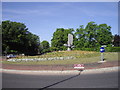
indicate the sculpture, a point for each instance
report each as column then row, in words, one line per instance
column 69, row 42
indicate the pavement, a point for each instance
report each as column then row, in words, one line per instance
column 97, row 67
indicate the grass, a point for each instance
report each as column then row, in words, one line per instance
column 65, row 54
column 81, row 57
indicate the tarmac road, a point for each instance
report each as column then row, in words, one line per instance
column 97, row 80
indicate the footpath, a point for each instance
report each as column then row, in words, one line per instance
column 96, row 67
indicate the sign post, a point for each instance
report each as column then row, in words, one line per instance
column 102, row 50
column 102, row 57
column 79, row 67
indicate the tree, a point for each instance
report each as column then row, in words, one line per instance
column 90, row 35
column 60, row 37
column 104, row 35
column 45, row 47
column 86, row 36
column 93, row 35
column 116, row 41
column 80, row 34
column 17, row 38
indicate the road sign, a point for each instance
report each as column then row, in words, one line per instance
column 102, row 49
column 78, row 66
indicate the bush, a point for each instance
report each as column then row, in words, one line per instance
column 112, row 49
column 53, row 49
column 88, row 49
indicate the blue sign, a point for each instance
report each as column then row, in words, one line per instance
column 102, row 49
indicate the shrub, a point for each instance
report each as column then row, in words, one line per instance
column 88, row 49
column 54, row 49
column 112, row 49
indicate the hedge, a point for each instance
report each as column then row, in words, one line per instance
column 107, row 49
column 112, row 49
column 88, row 49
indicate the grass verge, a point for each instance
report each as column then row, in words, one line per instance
column 86, row 57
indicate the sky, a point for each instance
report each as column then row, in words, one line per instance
column 43, row 18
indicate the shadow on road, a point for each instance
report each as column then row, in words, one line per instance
column 60, row 81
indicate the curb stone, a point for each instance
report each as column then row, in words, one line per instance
column 101, row 70
column 66, row 72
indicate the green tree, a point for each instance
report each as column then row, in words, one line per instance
column 104, row 35
column 17, row 38
column 80, row 34
column 90, row 33
column 86, row 36
column 93, row 36
column 45, row 47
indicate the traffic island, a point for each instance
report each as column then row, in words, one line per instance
column 60, row 67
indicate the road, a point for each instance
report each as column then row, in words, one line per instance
column 100, row 80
